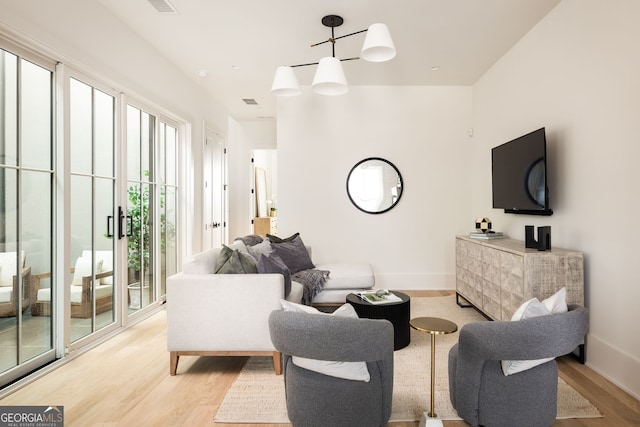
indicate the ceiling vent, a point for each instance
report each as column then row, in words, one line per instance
column 163, row 6
column 250, row 101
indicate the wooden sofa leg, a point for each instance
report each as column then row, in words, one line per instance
column 277, row 362
column 173, row 362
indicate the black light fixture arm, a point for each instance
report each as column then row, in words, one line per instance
column 316, row 63
column 332, row 21
column 333, row 39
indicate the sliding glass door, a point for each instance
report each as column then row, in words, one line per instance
column 26, row 221
column 93, row 275
column 88, row 210
column 151, row 209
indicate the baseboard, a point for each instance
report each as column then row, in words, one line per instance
column 615, row 365
column 408, row 281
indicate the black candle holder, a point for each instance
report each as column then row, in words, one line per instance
column 543, row 242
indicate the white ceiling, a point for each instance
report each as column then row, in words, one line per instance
column 241, row 42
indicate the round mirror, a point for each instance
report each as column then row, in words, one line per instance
column 374, row 185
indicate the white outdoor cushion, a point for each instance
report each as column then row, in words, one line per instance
column 348, row 275
column 76, row 292
column 8, row 267
column 556, row 303
column 348, row 370
column 107, row 264
column 83, row 268
column 6, row 293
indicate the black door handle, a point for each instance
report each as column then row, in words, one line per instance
column 120, row 222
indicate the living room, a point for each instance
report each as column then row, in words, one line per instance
column 575, row 73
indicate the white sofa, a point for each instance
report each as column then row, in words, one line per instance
column 227, row 314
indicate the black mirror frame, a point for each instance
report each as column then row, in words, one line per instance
column 399, row 178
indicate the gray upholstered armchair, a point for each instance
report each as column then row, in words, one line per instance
column 484, row 396
column 315, row 399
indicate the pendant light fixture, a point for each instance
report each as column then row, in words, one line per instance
column 329, row 78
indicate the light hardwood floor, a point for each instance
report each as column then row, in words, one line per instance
column 125, row 382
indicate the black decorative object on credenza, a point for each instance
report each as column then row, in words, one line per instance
column 543, row 242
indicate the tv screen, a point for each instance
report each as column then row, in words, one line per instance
column 519, row 175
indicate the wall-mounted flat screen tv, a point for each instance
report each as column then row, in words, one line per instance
column 519, row 175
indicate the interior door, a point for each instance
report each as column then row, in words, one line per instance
column 213, row 187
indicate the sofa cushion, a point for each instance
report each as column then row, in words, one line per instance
column 232, row 261
column 348, row 276
column 356, row 371
column 273, row 264
column 294, row 254
column 202, row 263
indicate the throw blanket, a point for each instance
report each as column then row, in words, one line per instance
column 250, row 240
column 312, row 281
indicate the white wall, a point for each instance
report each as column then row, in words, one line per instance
column 577, row 74
column 423, row 131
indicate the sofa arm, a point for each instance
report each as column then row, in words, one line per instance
column 221, row 312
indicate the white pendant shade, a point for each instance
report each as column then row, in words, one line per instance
column 378, row 45
column 285, row 82
column 329, row 78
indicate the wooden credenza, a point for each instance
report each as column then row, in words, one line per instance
column 498, row 275
column 265, row 225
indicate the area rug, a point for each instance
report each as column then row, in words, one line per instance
column 257, row 395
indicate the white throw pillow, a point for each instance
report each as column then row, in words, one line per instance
column 528, row 310
column 557, row 303
column 356, row 371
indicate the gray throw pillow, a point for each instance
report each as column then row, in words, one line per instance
column 232, row 261
column 294, row 254
column 276, row 239
column 273, row 264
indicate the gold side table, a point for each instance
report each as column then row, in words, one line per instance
column 434, row 326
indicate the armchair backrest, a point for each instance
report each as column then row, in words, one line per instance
column 323, row 337
column 317, row 400
column 482, row 345
column 536, row 338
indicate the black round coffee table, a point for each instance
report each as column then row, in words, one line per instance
column 398, row 313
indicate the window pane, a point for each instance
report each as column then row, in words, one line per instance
column 80, row 133
column 8, row 108
column 36, row 238
column 104, row 133
column 168, row 235
column 147, row 141
column 36, row 112
column 80, row 267
column 133, row 143
column 171, row 155
column 104, row 226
